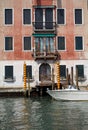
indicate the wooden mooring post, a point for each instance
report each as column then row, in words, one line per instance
column 58, row 75
column 77, row 78
column 52, row 78
column 72, row 76
column 67, row 76
column 28, row 85
column 25, row 81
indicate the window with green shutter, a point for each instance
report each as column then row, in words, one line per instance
column 26, row 16
column 61, row 43
column 29, row 71
column 78, row 43
column 63, row 71
column 80, row 70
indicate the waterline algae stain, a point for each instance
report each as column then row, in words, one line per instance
column 42, row 114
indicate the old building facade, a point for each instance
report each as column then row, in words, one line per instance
column 41, row 33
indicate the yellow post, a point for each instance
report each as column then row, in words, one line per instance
column 25, row 76
column 28, row 84
column 58, row 75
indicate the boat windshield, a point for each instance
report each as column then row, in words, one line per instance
column 71, row 87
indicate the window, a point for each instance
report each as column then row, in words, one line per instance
column 78, row 43
column 44, row 18
column 8, row 16
column 60, row 16
column 8, row 72
column 78, row 16
column 29, row 71
column 44, row 44
column 80, row 70
column 61, row 43
column 27, row 43
column 39, row 18
column 26, row 16
column 63, row 71
column 8, row 43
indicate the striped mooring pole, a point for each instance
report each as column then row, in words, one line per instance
column 58, row 75
column 25, row 86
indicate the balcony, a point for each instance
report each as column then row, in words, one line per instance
column 44, row 27
column 45, row 55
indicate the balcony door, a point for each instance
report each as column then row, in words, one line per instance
column 49, row 18
column 45, row 72
column 44, row 45
column 39, row 18
column 44, row 18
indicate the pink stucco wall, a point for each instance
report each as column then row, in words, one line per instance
column 18, row 30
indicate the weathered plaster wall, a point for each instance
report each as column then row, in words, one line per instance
column 17, row 30
column 69, row 57
column 70, row 30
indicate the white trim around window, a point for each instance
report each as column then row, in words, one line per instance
column 12, row 44
column 23, row 17
column 64, row 16
column 12, row 17
column 82, row 43
column 23, row 43
column 82, row 16
column 57, row 43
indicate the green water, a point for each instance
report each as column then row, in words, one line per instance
column 42, row 114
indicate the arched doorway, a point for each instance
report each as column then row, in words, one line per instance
column 45, row 72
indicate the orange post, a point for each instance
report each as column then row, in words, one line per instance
column 58, row 75
column 25, row 76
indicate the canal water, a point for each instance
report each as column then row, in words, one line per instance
column 42, row 113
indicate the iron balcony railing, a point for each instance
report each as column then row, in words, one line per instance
column 44, row 26
column 45, row 55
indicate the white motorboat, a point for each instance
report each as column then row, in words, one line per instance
column 69, row 94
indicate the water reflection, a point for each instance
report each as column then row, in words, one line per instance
column 42, row 114
column 72, row 115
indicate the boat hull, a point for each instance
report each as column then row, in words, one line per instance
column 70, row 95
